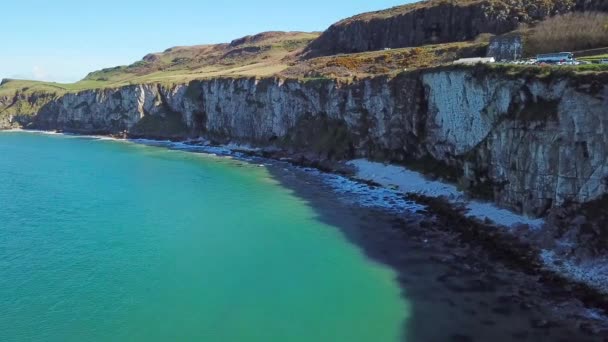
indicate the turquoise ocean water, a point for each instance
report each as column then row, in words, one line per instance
column 114, row 241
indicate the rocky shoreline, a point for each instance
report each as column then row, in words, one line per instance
column 484, row 249
column 521, row 245
column 508, row 246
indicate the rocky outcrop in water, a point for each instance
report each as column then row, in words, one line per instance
column 525, row 142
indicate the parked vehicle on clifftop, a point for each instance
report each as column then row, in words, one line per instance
column 561, row 57
column 475, row 60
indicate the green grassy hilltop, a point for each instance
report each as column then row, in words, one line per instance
column 260, row 55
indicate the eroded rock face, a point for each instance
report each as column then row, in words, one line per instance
column 535, row 144
column 526, row 143
column 17, row 110
column 5, row 120
column 109, row 111
column 435, row 22
column 509, row 47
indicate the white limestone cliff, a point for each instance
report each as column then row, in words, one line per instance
column 526, row 143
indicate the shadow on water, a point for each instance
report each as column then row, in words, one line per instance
column 456, row 292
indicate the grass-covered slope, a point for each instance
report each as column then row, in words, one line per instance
column 263, row 54
column 20, row 100
column 9, row 87
column 259, row 55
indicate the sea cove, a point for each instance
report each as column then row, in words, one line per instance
column 178, row 243
column 106, row 240
column 344, row 171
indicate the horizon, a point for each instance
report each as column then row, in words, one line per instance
column 48, row 48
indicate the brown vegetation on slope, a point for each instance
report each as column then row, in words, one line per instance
column 258, row 55
column 568, row 32
column 386, row 61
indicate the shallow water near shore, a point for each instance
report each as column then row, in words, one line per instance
column 104, row 240
column 107, row 240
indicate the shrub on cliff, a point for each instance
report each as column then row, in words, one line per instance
column 569, row 32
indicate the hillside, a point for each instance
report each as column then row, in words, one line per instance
column 385, row 62
column 258, row 55
column 437, row 21
column 263, row 54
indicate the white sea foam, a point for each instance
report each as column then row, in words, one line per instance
column 367, row 196
column 593, row 272
column 31, row 131
column 408, row 181
column 485, row 210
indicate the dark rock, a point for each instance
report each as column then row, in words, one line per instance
column 521, row 335
column 592, row 5
column 432, row 22
column 506, row 47
column 520, row 229
column 488, row 322
column 425, row 224
column 589, row 329
column 505, row 311
column 543, row 324
column 461, row 338
column 525, row 306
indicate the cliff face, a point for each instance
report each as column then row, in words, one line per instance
column 16, row 110
column 592, row 5
column 529, row 144
column 526, row 143
column 437, row 21
column 509, row 47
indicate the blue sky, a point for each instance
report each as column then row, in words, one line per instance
column 63, row 40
